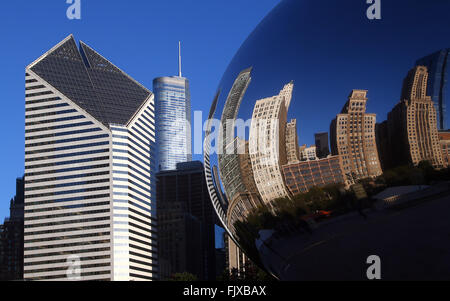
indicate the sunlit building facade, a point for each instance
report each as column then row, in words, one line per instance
column 353, row 138
column 412, row 123
column 292, row 147
column 89, row 170
column 267, row 144
column 309, row 153
column 302, row 176
column 444, row 141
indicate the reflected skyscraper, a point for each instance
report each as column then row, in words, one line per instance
column 89, row 170
column 267, row 145
column 412, row 124
column 323, row 150
column 173, row 119
column 292, row 147
column 229, row 158
column 353, row 138
column 438, row 65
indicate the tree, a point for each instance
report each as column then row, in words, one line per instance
column 185, row 276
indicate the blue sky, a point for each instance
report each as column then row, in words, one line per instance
column 141, row 37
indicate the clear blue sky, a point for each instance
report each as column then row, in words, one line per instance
column 139, row 36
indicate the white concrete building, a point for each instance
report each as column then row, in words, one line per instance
column 267, row 144
column 89, row 170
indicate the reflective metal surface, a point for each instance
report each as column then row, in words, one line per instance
column 295, row 201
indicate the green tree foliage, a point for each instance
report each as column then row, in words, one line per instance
column 250, row 273
column 183, row 277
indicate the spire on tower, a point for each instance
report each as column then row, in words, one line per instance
column 179, row 59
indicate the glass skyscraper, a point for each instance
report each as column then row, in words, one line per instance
column 173, row 119
column 438, row 65
column 90, row 209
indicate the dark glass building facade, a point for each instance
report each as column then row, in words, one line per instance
column 11, row 238
column 438, row 64
column 185, row 222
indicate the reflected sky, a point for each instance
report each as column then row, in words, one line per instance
column 330, row 49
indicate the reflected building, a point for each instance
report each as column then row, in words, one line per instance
column 229, row 161
column 241, row 205
column 309, row 153
column 444, row 141
column 267, row 144
column 238, row 174
column 323, row 149
column 89, row 169
column 292, row 147
column 412, row 123
column 12, row 238
column 302, row 176
column 438, row 65
column 221, row 196
column 383, row 145
column 353, row 138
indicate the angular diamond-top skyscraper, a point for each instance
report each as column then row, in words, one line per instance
column 89, row 170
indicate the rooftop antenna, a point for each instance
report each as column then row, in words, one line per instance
column 179, row 58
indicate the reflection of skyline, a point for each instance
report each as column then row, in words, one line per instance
column 282, row 169
column 326, row 57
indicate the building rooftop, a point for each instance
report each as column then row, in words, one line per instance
column 91, row 82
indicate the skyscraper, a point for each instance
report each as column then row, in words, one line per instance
column 438, row 65
column 173, row 120
column 267, row 145
column 353, row 138
column 186, row 220
column 89, row 170
column 11, row 238
column 412, row 123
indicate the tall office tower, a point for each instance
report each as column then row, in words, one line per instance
column 438, row 65
column 267, row 144
column 323, row 150
column 353, row 138
column 292, row 147
column 412, row 123
column 184, row 207
column 89, row 170
column 173, row 120
column 11, row 238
